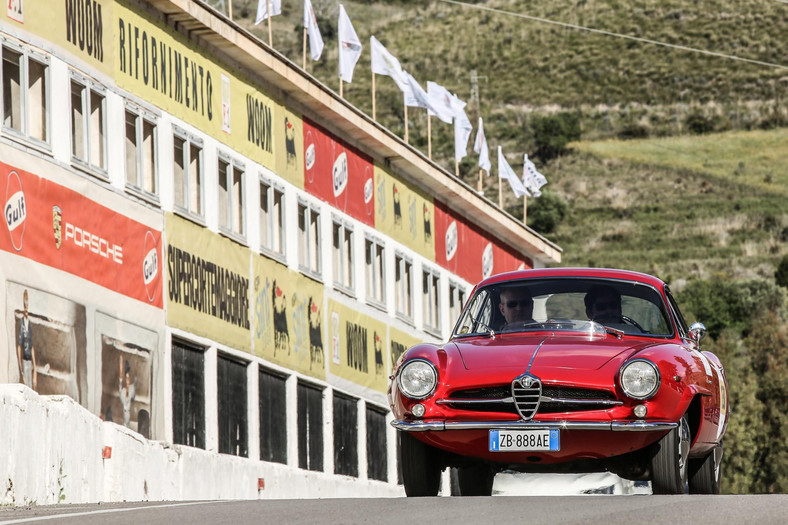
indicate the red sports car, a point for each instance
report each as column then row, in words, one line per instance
column 563, row 370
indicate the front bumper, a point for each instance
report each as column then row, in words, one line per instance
column 617, row 426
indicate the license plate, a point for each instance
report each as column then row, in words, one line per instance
column 517, row 440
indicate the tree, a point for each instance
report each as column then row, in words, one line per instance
column 781, row 275
column 547, row 212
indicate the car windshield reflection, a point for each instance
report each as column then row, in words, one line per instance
column 590, row 306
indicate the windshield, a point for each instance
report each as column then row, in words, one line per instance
column 566, row 304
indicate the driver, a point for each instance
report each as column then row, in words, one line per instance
column 602, row 302
column 517, row 306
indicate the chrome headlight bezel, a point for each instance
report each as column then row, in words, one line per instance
column 430, row 385
column 625, row 381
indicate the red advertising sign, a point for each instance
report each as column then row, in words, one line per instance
column 56, row 226
column 466, row 251
column 338, row 174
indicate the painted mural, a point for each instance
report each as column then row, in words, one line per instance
column 358, row 347
column 288, row 318
column 404, row 214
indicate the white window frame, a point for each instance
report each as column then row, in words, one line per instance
column 375, row 271
column 89, row 159
column 457, row 298
column 309, row 245
column 431, row 303
column 232, row 218
column 25, row 106
column 343, row 255
column 136, row 183
column 189, row 142
column 403, row 286
column 275, row 225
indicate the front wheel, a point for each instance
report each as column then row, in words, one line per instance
column 704, row 473
column 421, row 468
column 669, row 460
column 475, row 480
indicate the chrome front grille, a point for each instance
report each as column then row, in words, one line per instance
column 526, row 392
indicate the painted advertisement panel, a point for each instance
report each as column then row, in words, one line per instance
column 58, row 227
column 208, row 288
column 399, row 342
column 81, row 27
column 288, row 318
column 404, row 213
column 357, row 347
column 466, row 250
column 338, row 174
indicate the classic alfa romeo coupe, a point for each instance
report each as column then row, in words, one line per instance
column 563, row 371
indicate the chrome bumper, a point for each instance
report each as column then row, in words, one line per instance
column 616, row 426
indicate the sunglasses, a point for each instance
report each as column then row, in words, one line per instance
column 515, row 304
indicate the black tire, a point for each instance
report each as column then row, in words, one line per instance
column 670, row 460
column 421, row 468
column 475, row 480
column 705, row 473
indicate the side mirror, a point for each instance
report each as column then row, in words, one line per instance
column 697, row 332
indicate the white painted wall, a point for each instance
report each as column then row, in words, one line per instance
column 53, row 454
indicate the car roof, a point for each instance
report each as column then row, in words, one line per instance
column 599, row 273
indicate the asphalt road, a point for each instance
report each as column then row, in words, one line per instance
column 640, row 509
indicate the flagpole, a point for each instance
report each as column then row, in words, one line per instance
column 404, row 103
column 230, row 10
column 525, row 207
column 457, row 168
column 481, row 182
column 340, row 88
column 373, row 95
column 429, row 135
column 500, row 192
column 304, row 48
column 270, row 37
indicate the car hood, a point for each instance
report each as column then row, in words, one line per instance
column 567, row 351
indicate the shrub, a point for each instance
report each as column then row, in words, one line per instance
column 781, row 275
column 553, row 132
column 546, row 212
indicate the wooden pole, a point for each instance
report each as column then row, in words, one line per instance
column 457, row 168
column 406, row 118
column 525, row 207
column 270, row 36
column 340, row 87
column 373, row 96
column 304, row 67
column 230, row 10
column 481, row 181
column 429, row 135
column 500, row 192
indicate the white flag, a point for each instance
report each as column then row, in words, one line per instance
column 310, row 23
column 480, row 147
column 440, row 99
column 349, row 46
column 416, row 97
column 532, row 179
column 384, row 63
column 462, row 128
column 262, row 9
column 506, row 172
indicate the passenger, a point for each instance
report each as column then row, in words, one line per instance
column 517, row 307
column 602, row 302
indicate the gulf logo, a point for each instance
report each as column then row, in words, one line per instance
column 15, row 209
column 340, row 174
column 451, row 241
column 487, row 260
column 150, row 266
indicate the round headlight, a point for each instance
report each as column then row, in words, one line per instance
column 418, row 378
column 640, row 379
